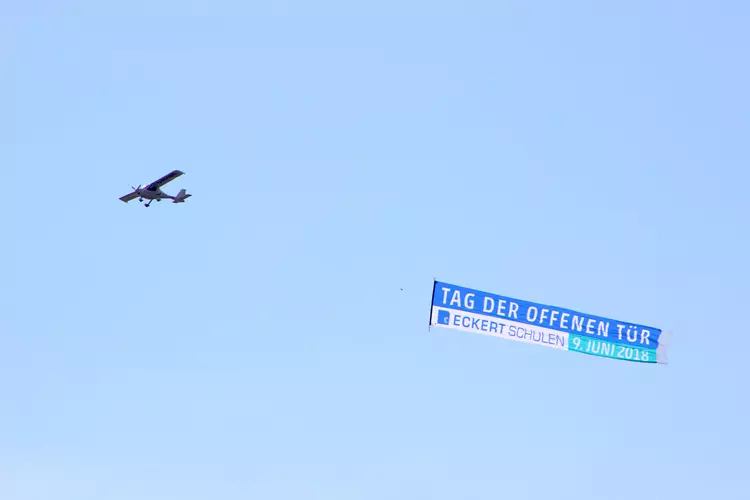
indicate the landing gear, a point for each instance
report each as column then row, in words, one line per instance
column 140, row 199
column 148, row 204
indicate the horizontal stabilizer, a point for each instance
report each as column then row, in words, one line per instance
column 181, row 197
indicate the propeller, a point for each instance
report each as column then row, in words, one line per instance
column 136, row 188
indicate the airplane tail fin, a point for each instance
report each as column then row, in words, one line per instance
column 181, row 197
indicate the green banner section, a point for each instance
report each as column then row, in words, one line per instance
column 598, row 347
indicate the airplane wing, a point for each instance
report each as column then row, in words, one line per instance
column 167, row 178
column 129, row 197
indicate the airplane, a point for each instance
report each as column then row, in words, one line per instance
column 153, row 191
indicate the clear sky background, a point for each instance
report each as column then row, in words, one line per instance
column 255, row 342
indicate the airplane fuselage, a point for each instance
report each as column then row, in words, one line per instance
column 151, row 195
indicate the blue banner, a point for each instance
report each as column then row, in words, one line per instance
column 467, row 309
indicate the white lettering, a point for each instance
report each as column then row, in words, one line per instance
column 564, row 320
column 488, row 308
column 635, row 334
column 553, row 317
column 456, row 299
column 445, row 294
column 645, row 334
column 513, row 310
column 501, row 307
column 603, row 328
column 620, row 328
column 528, row 313
column 469, row 301
column 579, row 321
column 589, row 325
column 543, row 316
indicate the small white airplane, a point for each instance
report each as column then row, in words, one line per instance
column 153, row 191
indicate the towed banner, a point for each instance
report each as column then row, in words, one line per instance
column 471, row 310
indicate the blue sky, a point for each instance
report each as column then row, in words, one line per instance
column 255, row 341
